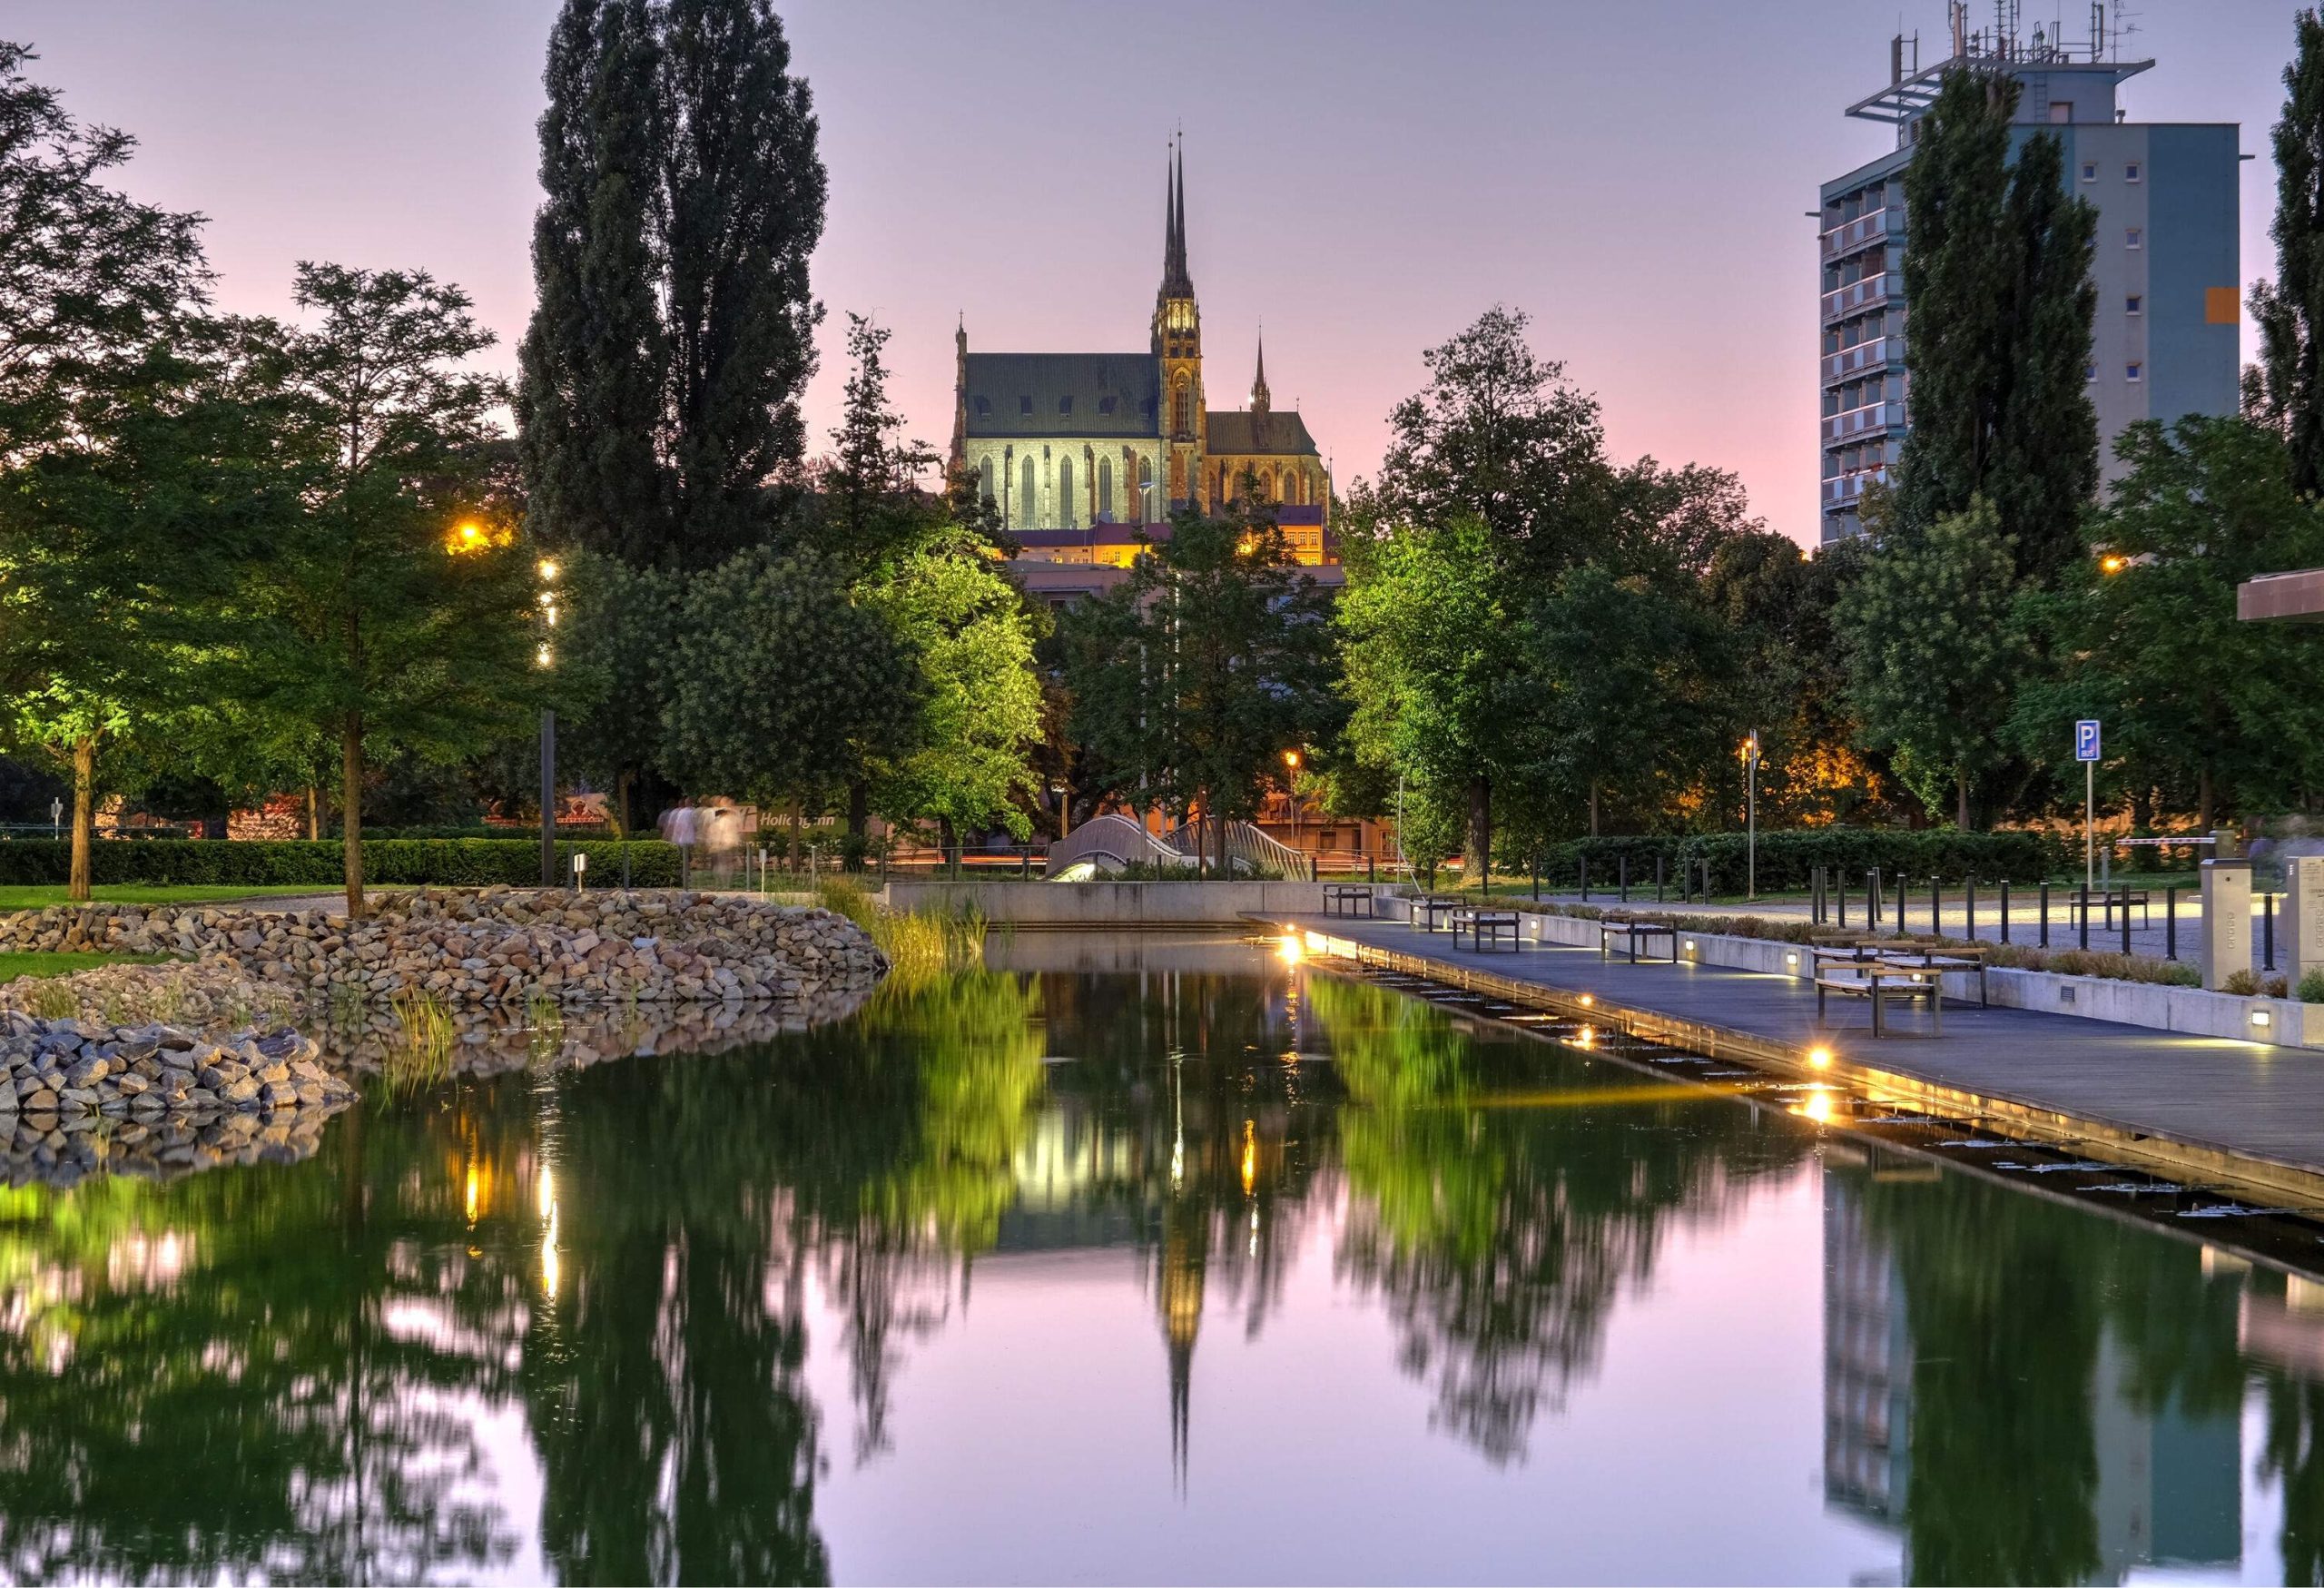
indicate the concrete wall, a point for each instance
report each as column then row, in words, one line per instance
column 1092, row 905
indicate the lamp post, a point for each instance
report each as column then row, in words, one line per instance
column 56, row 818
column 547, row 658
column 1291, row 791
column 1751, row 817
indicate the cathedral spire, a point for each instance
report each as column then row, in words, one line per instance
column 1176, row 282
column 1259, row 399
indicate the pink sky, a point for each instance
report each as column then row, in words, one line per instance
column 1365, row 178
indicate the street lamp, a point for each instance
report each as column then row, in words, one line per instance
column 545, row 658
column 1291, row 791
column 1751, row 815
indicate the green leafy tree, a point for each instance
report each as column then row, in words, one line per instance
column 372, row 615
column 611, row 681
column 1198, row 671
column 979, row 701
column 2189, row 694
column 674, row 330
column 2285, row 390
column 2000, row 257
column 871, row 511
column 1437, row 672
column 1936, row 653
column 781, row 684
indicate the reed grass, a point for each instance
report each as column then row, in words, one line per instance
column 420, row 1052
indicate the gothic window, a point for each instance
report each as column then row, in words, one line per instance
column 1145, row 485
column 1182, row 408
column 1065, row 513
column 1028, row 501
column 1295, row 487
column 985, row 471
column 1105, row 489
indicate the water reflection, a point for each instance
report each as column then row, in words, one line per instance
column 707, row 1316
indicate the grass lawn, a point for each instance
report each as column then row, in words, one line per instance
column 41, row 895
column 14, row 965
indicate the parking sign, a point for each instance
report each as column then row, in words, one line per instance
column 2085, row 739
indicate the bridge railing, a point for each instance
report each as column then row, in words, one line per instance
column 1114, row 838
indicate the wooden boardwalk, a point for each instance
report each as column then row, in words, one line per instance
column 2244, row 1111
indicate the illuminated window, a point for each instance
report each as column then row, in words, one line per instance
column 1105, row 486
column 1029, row 499
column 1145, row 484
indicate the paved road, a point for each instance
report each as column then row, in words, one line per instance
column 2250, row 1098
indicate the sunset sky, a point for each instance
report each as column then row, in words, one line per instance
column 1364, row 178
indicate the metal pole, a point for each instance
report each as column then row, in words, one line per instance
column 2046, row 914
column 549, row 798
column 1969, row 904
column 2266, row 931
column 1936, row 909
column 2170, row 923
column 2089, row 831
column 2085, row 918
column 1900, row 906
column 1585, row 879
column 2004, row 910
column 1657, row 879
column 1841, row 893
column 1752, row 823
column 2126, row 931
column 1622, row 875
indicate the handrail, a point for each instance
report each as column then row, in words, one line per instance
column 1117, row 838
column 1257, row 851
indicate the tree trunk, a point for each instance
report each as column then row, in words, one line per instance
column 1961, row 801
column 84, row 815
column 858, row 824
column 314, row 813
column 2141, row 809
column 1593, row 807
column 1479, row 854
column 946, row 853
column 1065, row 814
column 351, row 825
column 624, row 782
column 2205, row 815
column 1218, row 826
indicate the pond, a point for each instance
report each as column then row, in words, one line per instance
column 1135, row 1260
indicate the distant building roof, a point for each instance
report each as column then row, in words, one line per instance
column 1062, row 394
column 1238, row 434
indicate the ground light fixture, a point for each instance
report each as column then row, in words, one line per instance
column 2264, row 1018
column 1820, row 1057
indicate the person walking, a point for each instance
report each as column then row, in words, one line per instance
column 685, row 830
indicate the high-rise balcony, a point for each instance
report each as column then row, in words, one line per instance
column 1874, row 418
column 1874, row 354
column 1872, row 226
column 1857, row 296
column 1847, row 489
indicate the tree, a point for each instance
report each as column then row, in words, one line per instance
column 781, row 683
column 393, row 611
column 872, row 513
column 980, row 702
column 659, row 402
column 1936, row 653
column 2147, row 621
column 2286, row 388
column 611, row 681
column 1198, row 671
column 1501, row 437
column 2000, row 259
column 1437, row 670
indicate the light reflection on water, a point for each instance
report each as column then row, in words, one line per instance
column 1159, row 1260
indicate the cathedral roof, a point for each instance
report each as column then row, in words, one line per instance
column 1062, row 394
column 1238, row 435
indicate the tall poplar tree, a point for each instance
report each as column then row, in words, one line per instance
column 1997, row 272
column 659, row 402
column 2286, row 388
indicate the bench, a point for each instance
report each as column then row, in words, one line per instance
column 1342, row 899
column 2107, row 899
column 1944, row 959
column 1485, row 926
column 1610, row 927
column 1428, row 908
column 1883, row 981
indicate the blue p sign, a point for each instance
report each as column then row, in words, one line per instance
column 2085, row 739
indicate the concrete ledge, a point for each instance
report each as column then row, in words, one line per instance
column 1102, row 904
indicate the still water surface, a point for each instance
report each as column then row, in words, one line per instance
column 1135, row 1262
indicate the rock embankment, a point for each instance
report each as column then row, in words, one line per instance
column 78, row 1099
column 500, row 945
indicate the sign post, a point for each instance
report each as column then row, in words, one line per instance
column 2085, row 750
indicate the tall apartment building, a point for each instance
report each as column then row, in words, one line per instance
column 2166, row 339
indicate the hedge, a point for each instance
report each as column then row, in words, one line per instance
column 1786, row 859
column 447, row 862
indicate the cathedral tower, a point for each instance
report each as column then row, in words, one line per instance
column 1178, row 347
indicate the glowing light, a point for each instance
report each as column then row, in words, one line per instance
column 475, row 1193
column 1589, row 1000
column 1587, row 1035
column 1291, row 759
column 2262, row 1017
column 1289, row 951
column 1792, row 961
column 1819, row 1107
column 1690, row 945
column 1250, row 1158
column 548, row 1192
column 2113, row 565
column 544, row 657
column 1821, row 1057
column 549, row 572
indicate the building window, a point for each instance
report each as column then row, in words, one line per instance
column 984, row 472
column 2134, row 238
column 2134, row 304
column 2090, row 372
column 1182, row 409
column 1065, row 513
column 1025, row 405
column 1106, row 405
column 2130, row 171
column 984, row 406
column 2134, row 371
column 1028, row 500
column 2061, row 111
column 1105, row 487
column 1145, row 484
column 1065, row 407
column 2090, row 171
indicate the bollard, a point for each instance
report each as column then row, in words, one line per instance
column 2266, row 931
column 1372, row 868
column 1585, row 879
column 2227, row 919
column 2004, row 910
column 1969, row 905
column 1841, row 894
column 1657, row 879
column 2126, row 928
column 1622, row 875
column 2046, row 914
column 2170, row 922
column 1872, row 900
column 1900, row 905
column 1935, row 909
column 2085, row 940
column 1537, row 879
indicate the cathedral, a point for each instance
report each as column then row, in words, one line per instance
column 1082, row 452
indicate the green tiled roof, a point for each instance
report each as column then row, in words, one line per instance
column 1245, row 434
column 1063, row 394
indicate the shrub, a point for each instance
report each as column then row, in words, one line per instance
column 2311, row 987
column 2242, row 984
column 299, row 863
column 1785, row 859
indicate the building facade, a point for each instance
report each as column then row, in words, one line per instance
column 2165, row 341
column 1085, row 455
